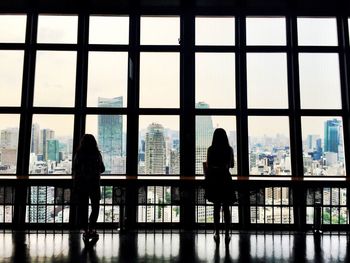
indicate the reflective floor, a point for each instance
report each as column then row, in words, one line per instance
column 174, row 247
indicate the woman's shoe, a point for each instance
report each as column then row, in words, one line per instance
column 216, row 238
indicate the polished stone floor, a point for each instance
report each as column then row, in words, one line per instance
column 174, row 247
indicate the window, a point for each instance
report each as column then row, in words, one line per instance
column 17, row 23
column 51, row 144
column 159, row 145
column 269, row 145
column 9, row 132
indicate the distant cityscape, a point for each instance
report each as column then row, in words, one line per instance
column 159, row 153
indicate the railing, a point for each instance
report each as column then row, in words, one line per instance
column 159, row 203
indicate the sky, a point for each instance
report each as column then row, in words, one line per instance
column 160, row 74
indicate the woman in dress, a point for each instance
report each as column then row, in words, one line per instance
column 219, row 182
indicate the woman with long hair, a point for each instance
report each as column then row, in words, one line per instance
column 219, row 182
column 87, row 167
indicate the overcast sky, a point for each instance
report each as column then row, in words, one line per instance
column 160, row 74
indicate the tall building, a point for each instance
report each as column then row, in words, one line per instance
column 35, row 137
column 332, row 134
column 53, row 150
column 155, row 149
column 204, row 134
column 45, row 135
column 110, row 133
column 9, row 138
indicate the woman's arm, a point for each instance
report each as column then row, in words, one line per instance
column 232, row 162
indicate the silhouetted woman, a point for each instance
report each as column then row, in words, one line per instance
column 87, row 167
column 218, row 180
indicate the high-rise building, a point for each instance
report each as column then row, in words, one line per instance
column 45, row 135
column 204, row 134
column 35, row 137
column 110, row 133
column 9, row 138
column 53, row 150
column 155, row 149
column 332, row 134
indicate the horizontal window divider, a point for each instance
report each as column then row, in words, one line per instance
column 12, row 46
column 217, row 111
column 52, row 110
column 318, row 49
column 55, row 47
column 266, row 49
column 216, row 49
column 15, row 110
column 106, row 111
column 159, row 111
column 159, row 48
column 323, row 112
column 103, row 47
column 269, row 112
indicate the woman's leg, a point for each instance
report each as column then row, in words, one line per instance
column 95, row 209
column 217, row 207
column 227, row 217
column 83, row 211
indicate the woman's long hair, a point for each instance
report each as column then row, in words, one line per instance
column 88, row 144
column 220, row 140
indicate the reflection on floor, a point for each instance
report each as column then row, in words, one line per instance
column 174, row 247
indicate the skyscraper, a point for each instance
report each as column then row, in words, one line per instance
column 110, row 133
column 9, row 138
column 204, row 134
column 332, row 134
column 35, row 136
column 45, row 135
column 53, row 150
column 155, row 149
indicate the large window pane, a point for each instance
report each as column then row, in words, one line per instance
column 317, row 31
column 267, row 80
column 266, row 31
column 55, row 78
column 215, row 79
column 205, row 127
column 107, row 78
column 9, row 124
column 269, row 145
column 109, row 30
column 319, row 81
column 11, row 72
column 13, row 28
column 323, row 146
column 110, row 134
column 159, row 145
column 160, row 30
column 57, row 29
column 51, row 144
column 159, row 80
column 215, row 31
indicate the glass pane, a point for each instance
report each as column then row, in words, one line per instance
column 207, row 32
column 13, row 28
column 107, row 79
column 159, row 145
column 57, row 29
column 205, row 126
column 11, row 72
column 160, row 30
column 269, row 145
column 266, row 31
column 55, row 78
column 323, row 146
column 317, row 31
column 319, row 81
column 267, row 80
column 51, row 144
column 215, row 79
column 159, row 84
column 109, row 30
column 110, row 134
column 9, row 125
